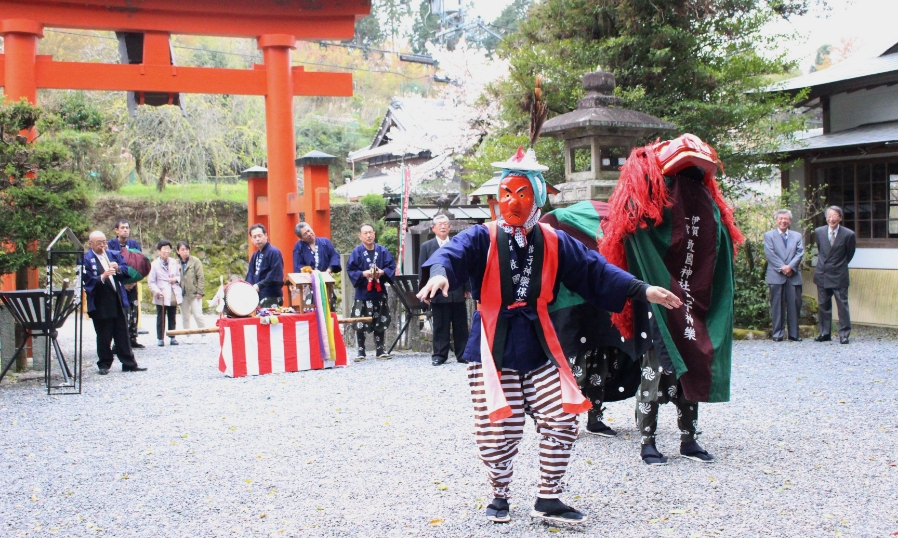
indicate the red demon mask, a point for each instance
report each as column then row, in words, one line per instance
column 686, row 151
column 515, row 199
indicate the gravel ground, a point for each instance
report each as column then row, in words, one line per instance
column 805, row 448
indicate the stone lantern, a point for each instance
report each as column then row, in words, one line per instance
column 598, row 138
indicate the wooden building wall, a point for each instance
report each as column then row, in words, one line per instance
column 872, row 296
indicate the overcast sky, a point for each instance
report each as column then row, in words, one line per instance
column 874, row 23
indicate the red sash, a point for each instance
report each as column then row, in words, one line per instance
column 497, row 407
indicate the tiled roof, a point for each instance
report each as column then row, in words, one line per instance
column 864, row 135
column 850, row 74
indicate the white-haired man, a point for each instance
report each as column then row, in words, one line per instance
column 784, row 251
column 448, row 312
column 107, row 303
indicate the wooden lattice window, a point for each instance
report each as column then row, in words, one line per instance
column 868, row 195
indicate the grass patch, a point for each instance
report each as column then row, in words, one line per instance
column 195, row 192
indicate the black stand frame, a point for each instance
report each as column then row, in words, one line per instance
column 406, row 288
column 44, row 312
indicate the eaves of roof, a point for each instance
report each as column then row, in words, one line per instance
column 864, row 135
column 864, row 73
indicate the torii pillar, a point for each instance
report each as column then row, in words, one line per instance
column 315, row 201
column 281, row 140
column 20, row 50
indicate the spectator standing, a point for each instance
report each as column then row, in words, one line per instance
column 266, row 268
column 123, row 241
column 784, row 251
column 315, row 252
column 193, row 285
column 448, row 312
column 835, row 249
column 107, row 302
column 164, row 282
column 370, row 267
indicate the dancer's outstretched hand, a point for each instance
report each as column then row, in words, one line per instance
column 661, row 296
column 429, row 291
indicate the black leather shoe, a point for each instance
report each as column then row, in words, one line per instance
column 779, row 339
column 795, row 339
column 135, row 369
column 823, row 338
column 137, row 345
column 843, row 340
column 104, row 371
column 436, row 361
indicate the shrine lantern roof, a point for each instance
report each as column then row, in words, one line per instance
column 304, row 19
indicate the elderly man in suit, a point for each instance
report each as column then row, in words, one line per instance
column 448, row 312
column 107, row 303
column 784, row 250
column 835, row 246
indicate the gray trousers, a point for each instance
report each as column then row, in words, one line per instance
column 785, row 299
column 825, row 311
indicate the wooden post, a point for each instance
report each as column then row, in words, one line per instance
column 347, row 287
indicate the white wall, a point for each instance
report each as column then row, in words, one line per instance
column 875, row 258
column 849, row 110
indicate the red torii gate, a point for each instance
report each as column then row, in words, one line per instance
column 276, row 24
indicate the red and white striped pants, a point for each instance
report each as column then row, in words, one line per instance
column 538, row 394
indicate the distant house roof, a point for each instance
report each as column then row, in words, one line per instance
column 433, row 129
column 852, row 74
column 413, row 125
column 433, row 177
column 422, row 213
column 865, row 135
column 490, row 188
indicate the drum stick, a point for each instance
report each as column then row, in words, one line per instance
column 355, row 320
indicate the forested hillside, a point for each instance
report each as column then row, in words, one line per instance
column 217, row 136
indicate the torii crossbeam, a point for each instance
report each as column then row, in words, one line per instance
column 275, row 24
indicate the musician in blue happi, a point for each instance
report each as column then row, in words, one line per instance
column 315, row 252
column 266, row 268
column 370, row 267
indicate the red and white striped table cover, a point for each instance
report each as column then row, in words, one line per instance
column 250, row 348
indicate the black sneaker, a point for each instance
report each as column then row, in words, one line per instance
column 556, row 511
column 497, row 511
column 651, row 456
column 137, row 345
column 360, row 355
column 383, row 355
column 823, row 338
column 694, row 451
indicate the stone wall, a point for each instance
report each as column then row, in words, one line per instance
column 216, row 230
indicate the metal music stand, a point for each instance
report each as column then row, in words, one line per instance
column 406, row 288
column 44, row 312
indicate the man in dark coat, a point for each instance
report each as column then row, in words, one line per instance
column 107, row 302
column 835, row 249
column 121, row 242
column 315, row 252
column 266, row 268
column 448, row 312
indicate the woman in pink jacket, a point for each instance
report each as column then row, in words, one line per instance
column 164, row 281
